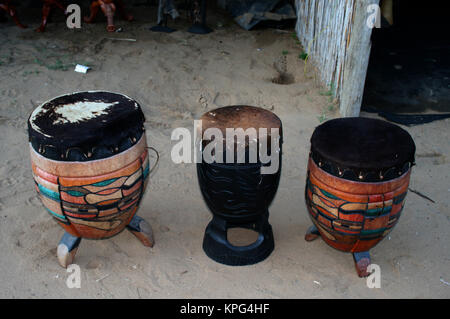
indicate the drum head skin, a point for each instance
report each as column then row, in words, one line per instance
column 362, row 149
column 242, row 117
column 85, row 126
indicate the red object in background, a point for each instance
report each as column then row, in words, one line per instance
column 11, row 10
column 46, row 9
column 109, row 8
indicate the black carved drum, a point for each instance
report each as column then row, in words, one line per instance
column 239, row 194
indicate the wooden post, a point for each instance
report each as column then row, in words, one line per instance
column 356, row 60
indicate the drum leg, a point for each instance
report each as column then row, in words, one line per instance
column 67, row 248
column 142, row 230
column 362, row 261
column 312, row 233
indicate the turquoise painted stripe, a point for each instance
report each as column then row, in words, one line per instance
column 379, row 211
column 374, row 211
column 372, row 231
column 75, row 193
column 55, row 214
column 105, row 183
column 146, row 171
column 48, row 192
column 329, row 194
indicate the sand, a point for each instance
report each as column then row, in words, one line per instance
column 176, row 78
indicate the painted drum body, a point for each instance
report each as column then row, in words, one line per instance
column 90, row 161
column 357, row 180
column 95, row 199
column 353, row 216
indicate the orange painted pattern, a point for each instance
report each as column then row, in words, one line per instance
column 353, row 216
column 96, row 206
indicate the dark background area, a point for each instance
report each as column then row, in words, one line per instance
column 409, row 67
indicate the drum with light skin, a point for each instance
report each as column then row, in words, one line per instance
column 90, row 165
column 357, row 180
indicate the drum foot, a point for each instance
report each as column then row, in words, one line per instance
column 362, row 261
column 218, row 248
column 67, row 248
column 142, row 230
column 312, row 233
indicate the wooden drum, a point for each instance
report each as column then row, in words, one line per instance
column 358, row 177
column 90, row 166
column 239, row 194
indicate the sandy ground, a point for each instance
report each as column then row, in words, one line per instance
column 177, row 77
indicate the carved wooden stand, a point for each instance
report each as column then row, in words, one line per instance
column 109, row 8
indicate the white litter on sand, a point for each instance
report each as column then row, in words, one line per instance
column 81, row 68
column 100, row 279
column 445, row 282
